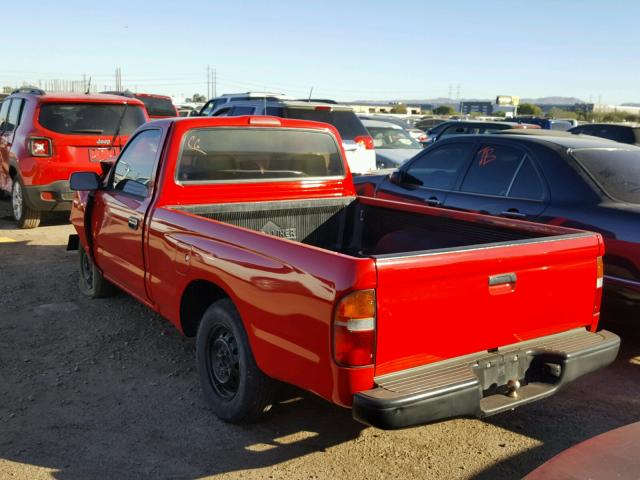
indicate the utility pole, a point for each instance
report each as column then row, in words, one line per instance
column 215, row 83
column 208, row 83
column 450, row 91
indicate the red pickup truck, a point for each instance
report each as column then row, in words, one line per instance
column 246, row 233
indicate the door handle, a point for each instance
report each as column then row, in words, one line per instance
column 133, row 223
column 513, row 213
column 433, row 201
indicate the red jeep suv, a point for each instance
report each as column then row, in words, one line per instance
column 44, row 137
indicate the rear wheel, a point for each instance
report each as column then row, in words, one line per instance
column 235, row 388
column 23, row 214
column 91, row 282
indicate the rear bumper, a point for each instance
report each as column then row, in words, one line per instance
column 60, row 191
column 476, row 385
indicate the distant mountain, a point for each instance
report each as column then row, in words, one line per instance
column 631, row 104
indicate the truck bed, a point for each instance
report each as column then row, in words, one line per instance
column 365, row 227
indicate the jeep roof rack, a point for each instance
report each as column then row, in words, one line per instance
column 33, row 90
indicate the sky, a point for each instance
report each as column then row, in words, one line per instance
column 345, row 50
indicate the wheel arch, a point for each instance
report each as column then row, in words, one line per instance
column 195, row 299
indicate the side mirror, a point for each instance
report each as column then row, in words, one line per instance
column 84, row 181
column 396, row 177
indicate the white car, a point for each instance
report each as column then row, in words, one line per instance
column 393, row 144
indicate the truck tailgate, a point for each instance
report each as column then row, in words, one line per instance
column 446, row 303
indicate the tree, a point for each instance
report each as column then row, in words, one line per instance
column 499, row 113
column 559, row 113
column 444, row 110
column 529, row 109
column 196, row 98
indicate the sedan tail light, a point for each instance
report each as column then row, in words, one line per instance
column 40, row 147
column 365, row 140
column 354, row 329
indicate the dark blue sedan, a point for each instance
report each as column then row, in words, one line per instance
column 580, row 182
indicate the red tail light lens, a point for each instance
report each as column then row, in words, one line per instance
column 40, row 147
column 354, row 329
column 599, row 283
column 365, row 140
column 323, row 108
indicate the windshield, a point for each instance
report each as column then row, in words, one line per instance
column 384, row 137
column 348, row 125
column 616, row 171
column 90, row 118
column 158, row 107
column 226, row 154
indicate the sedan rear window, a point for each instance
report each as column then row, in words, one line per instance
column 348, row 125
column 616, row 171
column 227, row 154
column 91, row 118
column 158, row 106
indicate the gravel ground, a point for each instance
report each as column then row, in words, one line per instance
column 107, row 389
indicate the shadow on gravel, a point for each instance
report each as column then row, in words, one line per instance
column 48, row 219
column 554, row 422
column 107, row 389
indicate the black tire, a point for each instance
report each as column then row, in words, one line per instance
column 234, row 387
column 91, row 282
column 23, row 214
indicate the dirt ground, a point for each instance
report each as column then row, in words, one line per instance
column 107, row 389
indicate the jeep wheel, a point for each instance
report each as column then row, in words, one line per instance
column 235, row 388
column 91, row 282
column 23, row 214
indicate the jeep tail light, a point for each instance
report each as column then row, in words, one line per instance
column 323, row 108
column 354, row 329
column 40, row 147
column 599, row 283
column 365, row 140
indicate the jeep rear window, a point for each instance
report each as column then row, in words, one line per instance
column 158, row 107
column 345, row 121
column 617, row 171
column 90, row 118
column 230, row 154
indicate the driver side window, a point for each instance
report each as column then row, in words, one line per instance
column 134, row 170
column 439, row 168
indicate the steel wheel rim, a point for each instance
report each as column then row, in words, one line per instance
column 223, row 363
column 16, row 200
column 86, row 270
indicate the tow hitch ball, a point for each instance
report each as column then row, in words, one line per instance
column 512, row 388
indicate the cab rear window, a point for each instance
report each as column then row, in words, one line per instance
column 212, row 155
column 91, row 118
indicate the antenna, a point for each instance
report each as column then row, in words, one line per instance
column 310, row 93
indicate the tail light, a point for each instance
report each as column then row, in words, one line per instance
column 323, row 108
column 354, row 329
column 365, row 140
column 40, row 147
column 599, row 283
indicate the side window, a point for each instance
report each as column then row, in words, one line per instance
column 4, row 110
column 208, row 108
column 492, row 170
column 237, row 111
column 134, row 171
column 527, row 183
column 13, row 119
column 223, row 112
column 439, row 168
